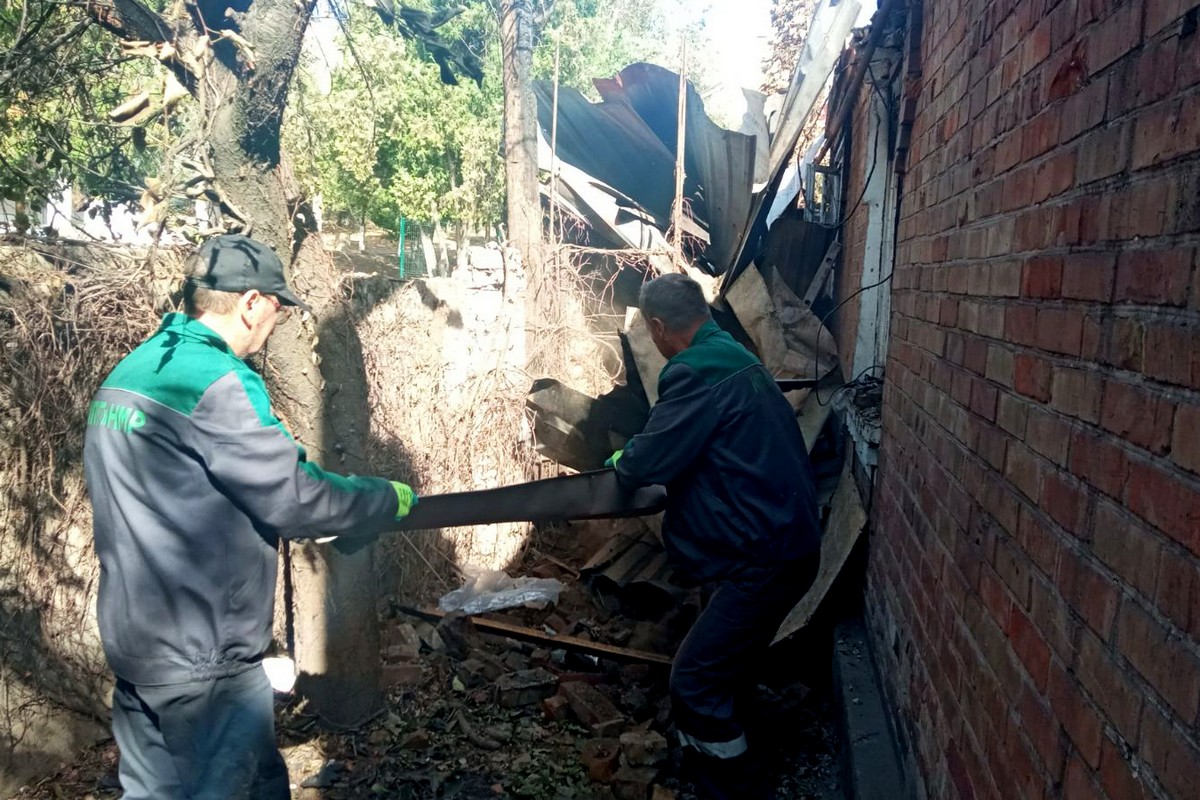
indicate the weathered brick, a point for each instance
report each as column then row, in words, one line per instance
column 1011, row 414
column 1088, row 276
column 1137, row 416
column 1076, row 392
column 1165, row 500
column 1104, row 678
column 1078, row 784
column 1030, row 647
column 1161, row 13
column 1124, row 346
column 1099, row 461
column 1048, row 434
column 983, row 399
column 1104, row 153
column 1172, row 354
column 1154, row 276
column 1020, row 324
column 1161, row 657
column 1091, row 593
column 1126, row 547
column 999, row 365
column 1065, row 502
column 1024, row 470
column 1178, row 592
column 1042, row 277
column 1171, row 753
column 1043, row 731
column 1032, row 377
column 1185, row 443
column 1076, row 714
column 1119, row 777
column 1039, row 540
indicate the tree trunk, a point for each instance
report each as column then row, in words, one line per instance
column 320, row 371
column 314, row 367
column 520, row 155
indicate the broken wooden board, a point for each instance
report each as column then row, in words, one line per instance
column 560, row 641
column 646, row 358
column 790, row 340
column 846, row 522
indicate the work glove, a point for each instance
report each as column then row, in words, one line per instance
column 406, row 499
column 614, row 458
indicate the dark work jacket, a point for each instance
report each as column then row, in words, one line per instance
column 193, row 480
column 725, row 442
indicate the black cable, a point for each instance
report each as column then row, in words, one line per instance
column 821, row 327
column 845, row 219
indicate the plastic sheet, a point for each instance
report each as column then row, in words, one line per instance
column 493, row 590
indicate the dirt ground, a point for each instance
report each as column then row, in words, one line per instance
column 452, row 730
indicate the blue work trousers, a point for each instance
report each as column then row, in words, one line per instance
column 203, row 740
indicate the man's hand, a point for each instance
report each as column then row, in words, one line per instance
column 614, row 458
column 406, row 499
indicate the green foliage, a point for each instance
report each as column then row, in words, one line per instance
column 61, row 76
column 389, row 139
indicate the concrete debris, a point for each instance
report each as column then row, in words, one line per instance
column 601, row 758
column 459, row 635
column 593, row 708
column 634, row 783
column 643, row 748
column 526, row 687
column 401, row 674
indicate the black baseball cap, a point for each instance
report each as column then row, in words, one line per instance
column 237, row 263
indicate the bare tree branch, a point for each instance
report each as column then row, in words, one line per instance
column 47, row 50
column 130, row 20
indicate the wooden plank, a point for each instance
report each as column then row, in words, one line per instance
column 497, row 628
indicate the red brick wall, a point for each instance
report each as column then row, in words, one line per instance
column 1034, row 586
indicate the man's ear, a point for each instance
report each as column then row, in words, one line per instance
column 246, row 301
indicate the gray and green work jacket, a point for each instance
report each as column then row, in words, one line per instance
column 192, row 481
column 724, row 441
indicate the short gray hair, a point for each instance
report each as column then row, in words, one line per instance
column 676, row 299
column 199, row 299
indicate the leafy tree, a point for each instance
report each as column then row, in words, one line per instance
column 388, row 140
column 61, row 75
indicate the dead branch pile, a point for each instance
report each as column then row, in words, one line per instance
column 67, row 315
column 447, row 400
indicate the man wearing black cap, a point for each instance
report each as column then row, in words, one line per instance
column 193, row 480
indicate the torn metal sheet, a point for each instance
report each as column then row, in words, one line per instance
column 790, row 339
column 630, row 572
column 612, row 144
column 616, row 218
column 831, row 25
column 827, row 33
column 720, row 161
column 579, row 431
column 846, row 522
column 743, row 110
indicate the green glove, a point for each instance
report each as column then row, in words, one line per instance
column 614, row 458
column 406, row 499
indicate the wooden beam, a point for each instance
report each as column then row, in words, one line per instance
column 497, row 628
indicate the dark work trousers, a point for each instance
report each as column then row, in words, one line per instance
column 204, row 740
column 729, row 638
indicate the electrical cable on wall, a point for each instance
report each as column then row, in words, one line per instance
column 866, row 183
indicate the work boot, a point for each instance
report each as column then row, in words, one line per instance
column 738, row 778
